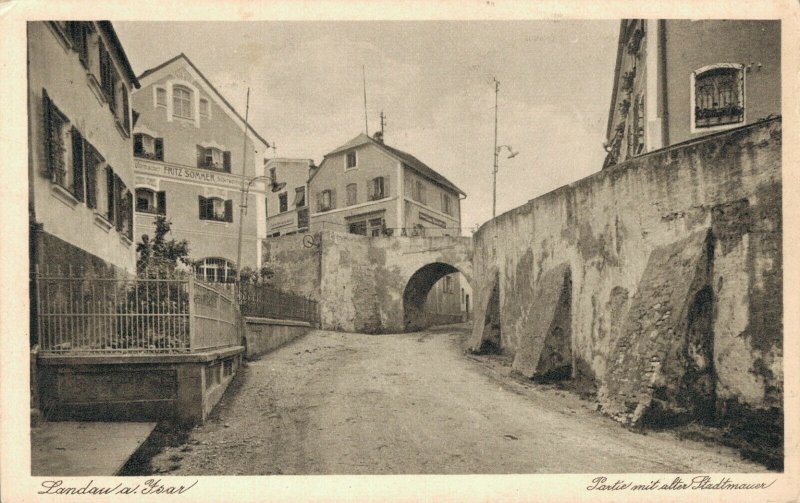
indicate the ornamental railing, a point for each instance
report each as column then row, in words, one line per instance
column 266, row 301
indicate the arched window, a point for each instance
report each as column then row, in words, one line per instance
column 216, row 270
column 718, row 95
column 182, row 102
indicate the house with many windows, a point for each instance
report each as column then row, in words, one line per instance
column 188, row 165
column 286, row 200
column 679, row 79
column 80, row 169
column 369, row 188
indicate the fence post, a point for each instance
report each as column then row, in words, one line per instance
column 192, row 328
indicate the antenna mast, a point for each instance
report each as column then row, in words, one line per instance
column 383, row 122
column 364, row 81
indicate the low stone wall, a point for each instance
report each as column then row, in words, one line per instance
column 182, row 387
column 263, row 335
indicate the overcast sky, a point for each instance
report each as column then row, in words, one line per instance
column 433, row 80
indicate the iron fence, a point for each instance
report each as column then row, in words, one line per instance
column 80, row 313
column 269, row 302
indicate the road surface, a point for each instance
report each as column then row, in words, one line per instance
column 336, row 403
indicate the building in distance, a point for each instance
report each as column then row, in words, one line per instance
column 286, row 199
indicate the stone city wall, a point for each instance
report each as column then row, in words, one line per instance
column 672, row 266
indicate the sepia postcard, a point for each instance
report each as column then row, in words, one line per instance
column 399, row 251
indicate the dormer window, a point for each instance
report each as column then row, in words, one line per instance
column 351, row 160
column 147, row 147
column 213, row 158
column 718, row 96
column 182, row 102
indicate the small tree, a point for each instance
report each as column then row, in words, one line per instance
column 257, row 277
column 158, row 256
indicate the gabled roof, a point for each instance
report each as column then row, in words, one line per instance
column 207, row 83
column 404, row 157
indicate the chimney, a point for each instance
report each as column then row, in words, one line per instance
column 378, row 136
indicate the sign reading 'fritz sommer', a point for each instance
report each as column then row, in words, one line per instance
column 189, row 174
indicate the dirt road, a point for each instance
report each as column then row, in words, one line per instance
column 333, row 403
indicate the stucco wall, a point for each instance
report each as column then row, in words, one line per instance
column 605, row 227
column 359, row 281
column 55, row 68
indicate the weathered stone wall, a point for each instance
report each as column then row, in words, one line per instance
column 359, row 281
column 726, row 188
column 263, row 335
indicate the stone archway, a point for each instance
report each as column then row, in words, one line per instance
column 416, row 292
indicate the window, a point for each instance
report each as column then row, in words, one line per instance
column 351, row 160
column 273, row 176
column 78, row 33
column 55, row 130
column 299, row 197
column 216, row 270
column 326, row 200
column 419, row 192
column 213, row 158
column 359, row 228
column 376, row 227
column 182, row 102
column 121, row 107
column 147, row 147
column 216, row 209
column 373, row 227
column 447, row 284
column 108, row 78
column 283, row 202
column 718, row 95
column 149, row 201
column 119, row 204
column 446, row 204
column 204, row 107
column 93, row 161
column 377, row 188
column 302, row 218
column 352, row 194
column 161, row 97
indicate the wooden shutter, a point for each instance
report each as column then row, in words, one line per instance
column 161, row 202
column 203, row 207
column 126, row 115
column 229, row 210
column 201, row 156
column 386, row 192
column 333, row 199
column 319, row 202
column 226, row 161
column 48, row 134
column 77, row 164
column 138, row 148
column 370, row 189
column 119, row 202
column 129, row 214
column 91, row 157
column 109, row 194
column 105, row 70
column 159, row 148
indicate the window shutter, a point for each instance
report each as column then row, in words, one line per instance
column 333, row 199
column 48, row 134
column 319, row 202
column 386, row 192
column 119, row 194
column 77, row 164
column 138, row 149
column 370, row 189
column 159, row 148
column 229, row 210
column 161, row 202
column 91, row 174
column 126, row 115
column 200, row 156
column 129, row 214
column 109, row 194
column 203, row 206
column 226, row 161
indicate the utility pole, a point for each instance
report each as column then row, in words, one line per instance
column 383, row 122
column 494, row 170
column 242, row 202
column 364, row 82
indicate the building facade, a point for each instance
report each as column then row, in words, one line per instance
column 286, row 200
column 80, row 169
column 369, row 188
column 187, row 147
column 676, row 80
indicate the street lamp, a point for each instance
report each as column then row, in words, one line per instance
column 497, row 150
